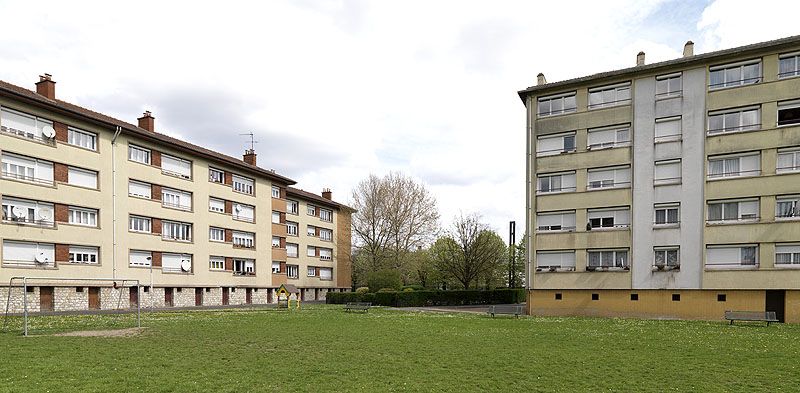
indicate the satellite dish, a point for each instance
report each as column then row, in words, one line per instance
column 45, row 213
column 19, row 211
column 186, row 265
column 48, row 132
column 238, row 207
column 41, row 258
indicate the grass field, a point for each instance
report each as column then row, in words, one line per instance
column 322, row 348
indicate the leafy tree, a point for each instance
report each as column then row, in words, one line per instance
column 383, row 279
column 469, row 252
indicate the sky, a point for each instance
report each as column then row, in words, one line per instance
column 335, row 90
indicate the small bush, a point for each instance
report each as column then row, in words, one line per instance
column 414, row 287
column 384, row 290
column 431, row 298
column 384, row 279
column 408, row 289
column 362, row 290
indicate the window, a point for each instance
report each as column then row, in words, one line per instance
column 326, row 215
column 325, row 273
column 554, row 260
column 28, row 253
column 140, row 258
column 556, row 105
column 174, row 230
column 27, row 169
column 325, row 254
column 216, row 263
column 244, row 266
column 787, row 255
column 139, row 189
column 24, row 125
column 311, row 210
column 176, row 166
column 244, row 239
column 311, row 251
column 292, row 207
column 553, row 145
column 216, row 176
column 82, row 138
column 28, row 212
column 276, row 192
column 276, row 242
column 81, row 216
column 668, row 129
column 291, row 228
column 667, row 172
column 216, row 234
column 139, row 224
column 609, row 218
column 609, row 177
column 733, row 210
column 788, row 160
column 560, row 182
column 276, row 267
column 787, row 207
column 668, row 85
column 732, row 75
column 311, row 271
column 83, row 255
column 666, row 257
column 292, row 271
column 291, row 250
column 601, row 97
column 276, row 217
column 734, row 166
column 311, row 230
column 734, row 120
column 216, row 205
column 667, row 214
column 325, row 234
column 788, row 113
column 731, row 257
column 243, row 184
column 555, row 221
column 607, row 137
column 176, row 199
column 139, row 154
column 789, row 65
column 82, row 177
column 244, row 212
column 608, row 259
column 176, row 263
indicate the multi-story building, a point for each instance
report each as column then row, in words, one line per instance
column 669, row 189
column 86, row 196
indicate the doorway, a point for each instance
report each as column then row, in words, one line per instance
column 94, row 298
column 46, row 299
column 168, row 297
column 226, row 296
column 134, row 297
column 198, row 297
column 776, row 301
column 248, row 295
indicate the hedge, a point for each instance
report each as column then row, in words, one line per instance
column 430, row 298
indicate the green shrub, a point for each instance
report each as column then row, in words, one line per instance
column 431, row 298
column 362, row 290
column 384, row 290
column 384, row 279
column 408, row 289
column 414, row 287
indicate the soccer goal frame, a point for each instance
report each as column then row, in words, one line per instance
column 24, row 287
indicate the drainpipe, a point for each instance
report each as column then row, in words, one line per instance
column 114, row 203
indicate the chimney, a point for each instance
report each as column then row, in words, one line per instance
column 640, row 59
column 46, row 87
column 148, row 122
column 250, row 156
column 326, row 193
column 540, row 80
column 688, row 49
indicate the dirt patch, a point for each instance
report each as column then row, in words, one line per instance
column 104, row 333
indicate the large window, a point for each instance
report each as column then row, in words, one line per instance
column 292, row 207
column 556, row 105
column 311, row 230
column 27, row 169
column 216, row 234
column 722, row 211
column 325, row 254
column 139, row 154
column 28, row 212
column 556, row 182
column 244, row 239
column 555, row 144
column 667, row 213
column 555, row 221
column 734, row 120
column 216, row 263
column 28, row 253
column 311, row 271
column 734, row 166
column 787, row 207
column 607, row 137
column 291, row 228
column 667, row 172
column 291, row 250
column 84, row 139
column 731, row 257
column 140, row 224
column 788, row 160
column 609, row 218
column 276, row 192
column 83, row 255
column 609, row 178
column 140, row 258
column 243, row 184
column 311, row 210
column 139, row 189
column 326, row 215
column 789, row 65
column 325, row 234
column 293, row 271
column 216, row 175
column 555, row 260
column 244, row 212
column 176, row 166
column 787, row 255
column 789, row 113
column 244, row 266
column 731, row 75
column 276, row 267
column 605, row 96
column 666, row 257
column 311, row 251
column 176, row 199
column 276, row 242
column 24, row 125
column 607, row 259
column 325, row 273
column 276, row 217
column 176, row 263
column 668, row 85
column 174, row 230
column 667, row 129
column 216, row 205
column 82, row 177
column 82, row 216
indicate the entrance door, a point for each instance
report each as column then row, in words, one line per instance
column 198, row 297
column 45, row 298
column 302, row 294
column 248, row 295
column 316, row 293
column 269, row 295
column 225, row 296
column 134, row 297
column 776, row 301
column 168, row 297
column 94, row 298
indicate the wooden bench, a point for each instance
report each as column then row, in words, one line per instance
column 358, row 306
column 514, row 309
column 753, row 316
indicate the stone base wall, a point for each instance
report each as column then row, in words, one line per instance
column 69, row 299
column 260, row 295
column 236, row 296
column 115, row 299
column 17, row 299
column 212, row 296
column 154, row 298
column 184, row 297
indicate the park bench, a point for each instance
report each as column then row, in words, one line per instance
column 357, row 306
column 514, row 309
column 756, row 316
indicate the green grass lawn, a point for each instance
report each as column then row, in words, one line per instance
column 322, row 348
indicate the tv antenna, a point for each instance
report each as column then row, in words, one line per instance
column 252, row 140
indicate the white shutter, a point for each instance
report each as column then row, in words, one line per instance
column 139, row 189
column 787, row 249
column 172, row 262
column 291, row 249
column 750, row 165
column 600, row 175
column 602, row 138
column 247, row 212
column 668, row 128
column 748, row 209
column 216, row 205
column 548, row 220
column 568, row 182
column 325, row 254
column 311, row 251
column 140, row 258
column 667, row 171
column 25, row 252
column 176, row 165
column 19, row 122
column 549, row 145
column 717, row 256
column 80, row 177
column 325, row 273
column 562, row 259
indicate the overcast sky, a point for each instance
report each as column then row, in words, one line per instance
column 335, row 90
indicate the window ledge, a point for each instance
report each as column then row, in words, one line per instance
column 666, row 226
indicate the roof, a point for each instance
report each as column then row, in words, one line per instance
column 66, row 108
column 316, row 198
column 290, row 288
column 683, row 61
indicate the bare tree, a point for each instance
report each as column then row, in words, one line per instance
column 394, row 216
column 470, row 251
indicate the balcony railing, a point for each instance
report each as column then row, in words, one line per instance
column 18, row 176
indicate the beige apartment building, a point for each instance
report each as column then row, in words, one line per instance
column 668, row 190
column 86, row 196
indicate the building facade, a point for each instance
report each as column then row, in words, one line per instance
column 86, row 196
column 668, row 190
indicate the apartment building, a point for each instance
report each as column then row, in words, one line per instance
column 86, row 196
column 668, row 189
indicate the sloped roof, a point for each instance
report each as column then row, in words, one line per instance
column 316, row 198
